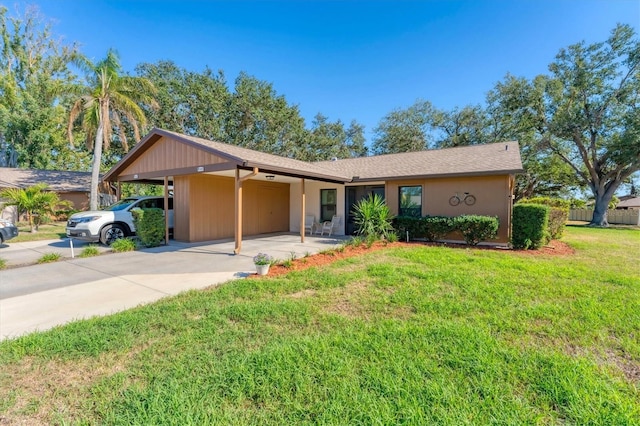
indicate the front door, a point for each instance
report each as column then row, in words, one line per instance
column 354, row 194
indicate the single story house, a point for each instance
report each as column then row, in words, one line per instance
column 629, row 203
column 70, row 186
column 223, row 191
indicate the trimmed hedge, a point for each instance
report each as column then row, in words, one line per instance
column 473, row 228
column 149, row 225
column 404, row 224
column 558, row 213
column 529, row 226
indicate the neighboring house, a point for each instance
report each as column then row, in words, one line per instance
column 223, row 191
column 70, row 186
column 629, row 203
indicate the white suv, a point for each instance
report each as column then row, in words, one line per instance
column 114, row 222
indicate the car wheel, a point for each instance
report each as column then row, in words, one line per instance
column 110, row 233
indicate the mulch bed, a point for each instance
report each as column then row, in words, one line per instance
column 554, row 248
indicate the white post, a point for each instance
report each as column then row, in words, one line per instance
column 71, row 244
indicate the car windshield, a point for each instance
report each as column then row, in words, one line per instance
column 121, row 205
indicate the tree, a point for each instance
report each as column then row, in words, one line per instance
column 35, row 80
column 513, row 109
column 404, row 130
column 591, row 113
column 35, row 201
column 461, row 127
column 190, row 103
column 109, row 101
column 256, row 117
column 327, row 140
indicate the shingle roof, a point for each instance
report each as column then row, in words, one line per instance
column 629, row 203
column 496, row 158
column 252, row 158
column 241, row 156
column 59, row 181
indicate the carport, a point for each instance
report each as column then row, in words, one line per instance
column 220, row 190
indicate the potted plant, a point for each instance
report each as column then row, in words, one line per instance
column 262, row 262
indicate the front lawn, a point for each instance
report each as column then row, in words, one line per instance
column 48, row 231
column 414, row 335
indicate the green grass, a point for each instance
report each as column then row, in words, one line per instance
column 89, row 251
column 123, row 244
column 49, row 231
column 419, row 335
column 3, row 263
column 49, row 257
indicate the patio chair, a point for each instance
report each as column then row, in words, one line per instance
column 330, row 226
column 309, row 223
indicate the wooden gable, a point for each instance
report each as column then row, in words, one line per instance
column 170, row 155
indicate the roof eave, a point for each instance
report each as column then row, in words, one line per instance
column 268, row 168
column 439, row 175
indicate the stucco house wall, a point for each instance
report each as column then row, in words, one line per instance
column 312, row 191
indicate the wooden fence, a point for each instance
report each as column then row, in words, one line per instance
column 626, row 217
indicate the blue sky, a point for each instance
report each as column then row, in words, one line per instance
column 352, row 59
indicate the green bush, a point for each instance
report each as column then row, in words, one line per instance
column 123, row 244
column 475, row 228
column 529, row 226
column 404, row 224
column 435, row 228
column 558, row 213
column 149, row 225
column 373, row 218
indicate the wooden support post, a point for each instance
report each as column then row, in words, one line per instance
column 238, row 208
column 118, row 191
column 303, row 210
column 166, row 210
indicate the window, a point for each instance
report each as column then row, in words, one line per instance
column 410, row 201
column 328, row 199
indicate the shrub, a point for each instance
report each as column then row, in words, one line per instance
column 373, row 218
column 149, row 225
column 529, row 226
column 476, row 228
column 558, row 213
column 404, row 224
column 575, row 203
column 435, row 228
column 123, row 244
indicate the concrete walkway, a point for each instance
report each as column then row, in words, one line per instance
column 39, row 297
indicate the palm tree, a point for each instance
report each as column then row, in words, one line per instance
column 35, row 201
column 110, row 101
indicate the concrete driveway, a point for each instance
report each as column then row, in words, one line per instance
column 39, row 297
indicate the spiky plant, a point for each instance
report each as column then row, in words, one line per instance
column 373, row 218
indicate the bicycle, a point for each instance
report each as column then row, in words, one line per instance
column 468, row 199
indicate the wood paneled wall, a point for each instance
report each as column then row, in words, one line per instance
column 204, row 207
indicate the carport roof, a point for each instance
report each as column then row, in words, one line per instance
column 242, row 157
